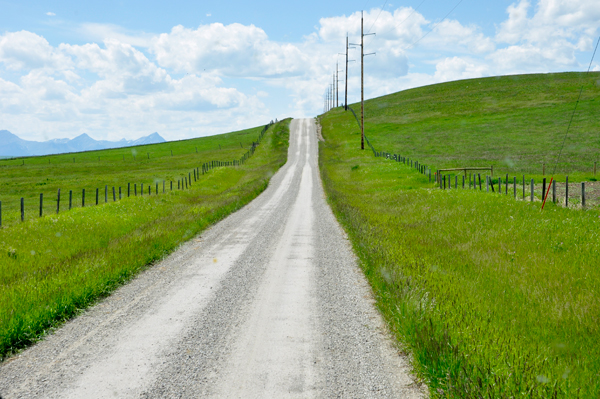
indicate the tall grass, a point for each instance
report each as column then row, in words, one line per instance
column 52, row 267
column 516, row 123
column 490, row 296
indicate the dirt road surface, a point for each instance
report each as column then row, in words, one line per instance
column 268, row 303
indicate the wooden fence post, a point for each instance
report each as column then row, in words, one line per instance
column 487, row 183
column 128, row 189
column 105, row 194
column 97, row 195
column 567, row 192
column 456, row 181
column 583, row 194
column 22, row 209
column 523, row 187
column 119, row 193
column 70, row 199
column 114, row 195
column 58, row 201
column 156, row 188
column 41, row 203
column 554, row 191
column 429, row 175
column 149, row 189
column 479, row 175
column 515, row 185
column 83, row 198
column 135, row 189
column 499, row 185
column 171, row 185
column 463, row 178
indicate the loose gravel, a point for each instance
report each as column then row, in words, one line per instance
column 269, row 302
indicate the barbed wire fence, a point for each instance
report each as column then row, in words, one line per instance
column 183, row 183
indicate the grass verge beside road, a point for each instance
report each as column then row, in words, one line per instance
column 52, row 267
column 490, row 296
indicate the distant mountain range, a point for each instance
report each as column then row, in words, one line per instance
column 13, row 146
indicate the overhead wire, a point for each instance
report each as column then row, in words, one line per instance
column 436, row 25
column 405, row 19
column 574, row 109
column 380, row 11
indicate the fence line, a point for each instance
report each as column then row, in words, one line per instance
column 182, row 184
column 475, row 181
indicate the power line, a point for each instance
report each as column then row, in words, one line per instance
column 574, row 109
column 380, row 11
column 436, row 25
column 405, row 19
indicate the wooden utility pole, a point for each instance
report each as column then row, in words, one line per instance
column 362, row 80
column 362, row 84
column 346, row 98
column 337, row 86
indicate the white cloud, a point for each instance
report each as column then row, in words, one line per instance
column 232, row 50
column 186, row 82
column 548, row 38
column 456, row 68
column 25, row 51
column 50, row 14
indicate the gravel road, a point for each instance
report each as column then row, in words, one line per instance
column 268, row 303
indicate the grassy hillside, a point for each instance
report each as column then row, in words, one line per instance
column 52, row 267
column 516, row 123
column 490, row 296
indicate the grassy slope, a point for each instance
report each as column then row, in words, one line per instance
column 52, row 267
column 491, row 297
column 117, row 167
column 516, row 123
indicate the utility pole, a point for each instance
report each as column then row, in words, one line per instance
column 362, row 84
column 337, row 85
column 346, row 98
column 362, row 80
column 333, row 93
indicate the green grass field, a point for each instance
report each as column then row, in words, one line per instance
column 516, row 123
column 54, row 266
column 490, row 296
column 148, row 164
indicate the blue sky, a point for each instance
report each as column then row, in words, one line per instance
column 123, row 69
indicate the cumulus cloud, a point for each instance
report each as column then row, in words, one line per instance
column 548, row 37
column 184, row 82
column 25, row 51
column 50, row 14
column 231, row 50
